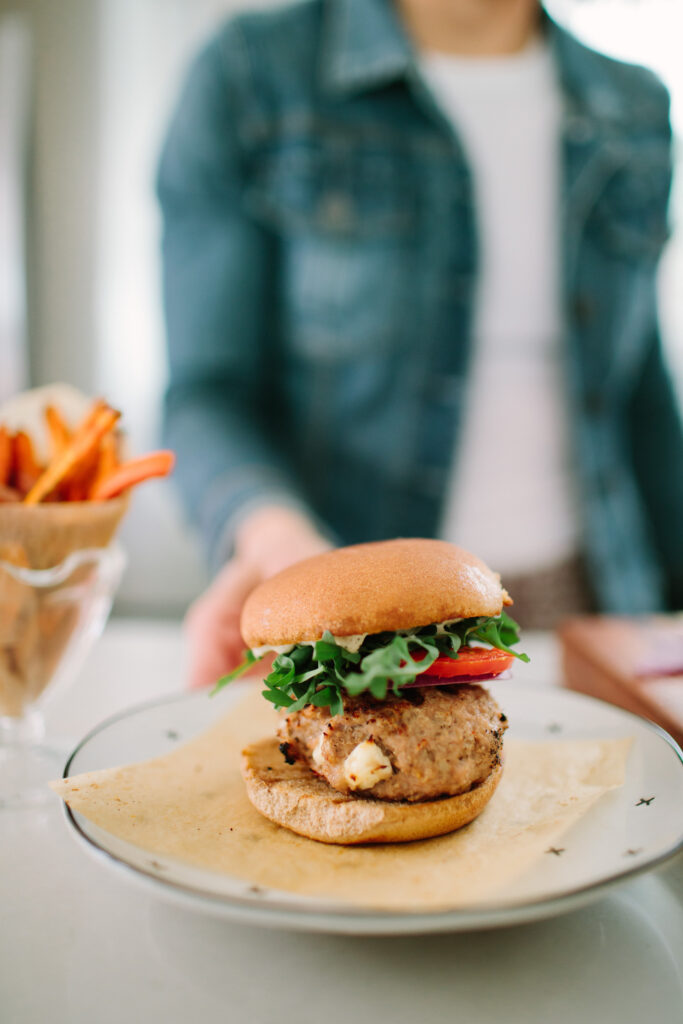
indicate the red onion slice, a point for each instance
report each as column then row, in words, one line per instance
column 454, row 680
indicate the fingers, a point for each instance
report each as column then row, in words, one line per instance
column 212, row 625
column 213, row 652
column 274, row 537
column 270, row 540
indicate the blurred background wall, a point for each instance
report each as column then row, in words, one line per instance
column 86, row 87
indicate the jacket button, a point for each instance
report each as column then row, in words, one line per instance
column 583, row 309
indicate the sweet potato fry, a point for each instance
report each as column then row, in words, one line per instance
column 58, row 431
column 93, row 412
column 5, row 456
column 108, row 460
column 85, row 440
column 25, row 467
column 133, row 472
column 76, row 486
column 103, row 459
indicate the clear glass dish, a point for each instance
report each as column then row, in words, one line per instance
column 49, row 619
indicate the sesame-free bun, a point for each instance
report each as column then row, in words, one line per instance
column 367, row 588
column 292, row 796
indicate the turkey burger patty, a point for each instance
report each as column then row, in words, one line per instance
column 432, row 742
column 385, row 734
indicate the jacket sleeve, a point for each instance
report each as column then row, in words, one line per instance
column 656, row 434
column 217, row 286
column 655, row 424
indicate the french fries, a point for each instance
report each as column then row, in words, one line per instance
column 5, row 457
column 54, row 492
column 107, row 462
column 59, row 433
column 81, row 446
column 133, row 472
column 25, row 468
column 77, row 483
column 83, row 462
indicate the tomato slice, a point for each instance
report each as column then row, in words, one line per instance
column 471, row 661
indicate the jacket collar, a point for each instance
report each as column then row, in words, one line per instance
column 586, row 78
column 365, row 46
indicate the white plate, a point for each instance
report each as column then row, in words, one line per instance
column 628, row 831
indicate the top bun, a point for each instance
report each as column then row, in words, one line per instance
column 368, row 588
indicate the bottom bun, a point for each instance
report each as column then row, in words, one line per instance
column 292, row 796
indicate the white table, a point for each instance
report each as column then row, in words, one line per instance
column 80, row 946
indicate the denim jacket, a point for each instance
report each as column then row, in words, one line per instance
column 320, row 257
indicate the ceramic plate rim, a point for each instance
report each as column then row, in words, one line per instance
column 356, row 920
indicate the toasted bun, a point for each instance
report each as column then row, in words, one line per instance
column 393, row 584
column 292, row 796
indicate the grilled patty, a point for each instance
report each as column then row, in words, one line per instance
column 436, row 741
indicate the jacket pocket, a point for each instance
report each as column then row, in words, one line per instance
column 344, row 214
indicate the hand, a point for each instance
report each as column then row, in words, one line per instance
column 269, row 540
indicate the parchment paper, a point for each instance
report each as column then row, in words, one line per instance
column 191, row 805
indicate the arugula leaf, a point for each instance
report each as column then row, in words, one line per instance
column 328, row 650
column 501, row 633
column 278, row 698
column 336, row 703
column 249, row 659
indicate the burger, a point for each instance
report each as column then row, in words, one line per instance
column 386, row 733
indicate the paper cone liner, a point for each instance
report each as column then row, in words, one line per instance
column 51, row 531
column 38, row 620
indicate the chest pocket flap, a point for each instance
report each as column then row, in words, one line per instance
column 335, row 186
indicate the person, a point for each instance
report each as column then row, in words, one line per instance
column 409, row 262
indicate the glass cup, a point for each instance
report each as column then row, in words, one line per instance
column 49, row 619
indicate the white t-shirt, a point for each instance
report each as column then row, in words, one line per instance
column 510, row 497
